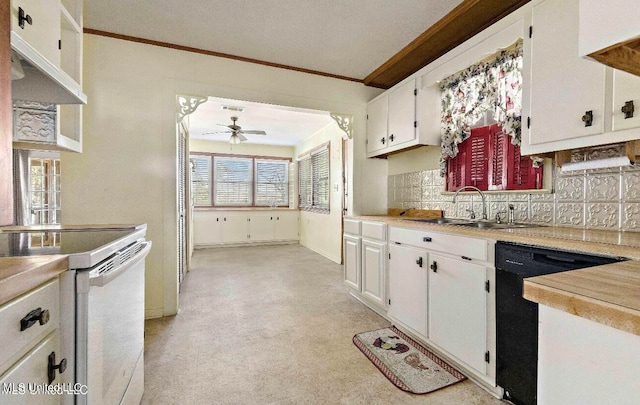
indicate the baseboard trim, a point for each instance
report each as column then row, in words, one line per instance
column 266, row 243
column 152, row 313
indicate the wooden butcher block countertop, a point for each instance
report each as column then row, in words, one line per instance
column 608, row 294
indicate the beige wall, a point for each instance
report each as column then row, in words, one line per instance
column 414, row 160
column 127, row 172
column 322, row 232
column 202, row 145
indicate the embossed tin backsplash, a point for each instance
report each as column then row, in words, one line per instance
column 34, row 121
column 594, row 199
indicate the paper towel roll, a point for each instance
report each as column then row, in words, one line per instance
column 597, row 164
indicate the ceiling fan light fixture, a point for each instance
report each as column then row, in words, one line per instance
column 234, row 140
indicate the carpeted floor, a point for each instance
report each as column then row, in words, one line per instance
column 271, row 325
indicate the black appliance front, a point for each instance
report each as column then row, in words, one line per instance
column 517, row 318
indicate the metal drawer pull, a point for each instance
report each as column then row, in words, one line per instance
column 434, row 267
column 587, row 118
column 37, row 315
column 628, row 109
column 419, row 262
column 53, row 366
column 426, row 239
column 23, row 17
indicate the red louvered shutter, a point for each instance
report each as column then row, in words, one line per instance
column 521, row 174
column 498, row 158
column 478, row 158
column 456, row 169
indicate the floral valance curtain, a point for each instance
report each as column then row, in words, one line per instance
column 494, row 86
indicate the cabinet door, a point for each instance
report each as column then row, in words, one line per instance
column 287, row 225
column 626, row 87
column 377, row 111
column 373, row 271
column 261, row 227
column 564, row 86
column 408, row 286
column 234, row 228
column 458, row 309
column 402, row 114
column 207, row 228
column 43, row 33
column 352, row 261
column 32, row 371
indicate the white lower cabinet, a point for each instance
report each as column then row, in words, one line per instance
column 212, row 227
column 365, row 260
column 352, row 261
column 373, row 274
column 408, row 286
column 440, row 291
column 458, row 309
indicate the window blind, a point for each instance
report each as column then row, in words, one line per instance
column 320, row 177
column 233, row 181
column 272, row 182
column 313, row 180
column 201, row 179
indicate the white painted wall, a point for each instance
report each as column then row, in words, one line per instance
column 414, row 160
column 322, row 232
column 127, row 172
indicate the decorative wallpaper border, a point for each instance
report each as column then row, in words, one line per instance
column 592, row 199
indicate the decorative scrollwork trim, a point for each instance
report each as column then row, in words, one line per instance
column 188, row 104
column 344, row 122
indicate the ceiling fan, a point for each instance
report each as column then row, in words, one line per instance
column 237, row 133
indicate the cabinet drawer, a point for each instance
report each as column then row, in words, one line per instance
column 352, row 226
column 30, row 374
column 452, row 244
column 374, row 230
column 16, row 342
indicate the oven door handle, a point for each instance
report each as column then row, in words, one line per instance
column 100, row 280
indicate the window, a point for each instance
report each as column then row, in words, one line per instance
column 44, row 189
column 239, row 181
column 313, row 180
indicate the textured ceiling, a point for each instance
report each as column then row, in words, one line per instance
column 349, row 38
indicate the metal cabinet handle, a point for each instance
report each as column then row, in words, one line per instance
column 419, row 262
column 427, row 239
column 51, row 369
column 434, row 267
column 587, row 118
column 37, row 315
column 628, row 109
column 23, row 17
column 383, row 140
column 391, row 137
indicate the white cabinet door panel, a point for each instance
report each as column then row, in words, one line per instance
column 261, row 227
column 234, row 228
column 563, row 85
column 408, row 286
column 457, row 309
column 352, row 261
column 373, row 271
column 287, row 225
column 402, row 114
column 626, row 87
column 377, row 111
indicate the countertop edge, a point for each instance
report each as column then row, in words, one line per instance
column 26, row 273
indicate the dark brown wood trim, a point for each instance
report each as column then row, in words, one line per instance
column 6, row 118
column 217, row 54
column 466, row 20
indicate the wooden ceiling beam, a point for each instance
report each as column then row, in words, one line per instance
column 463, row 22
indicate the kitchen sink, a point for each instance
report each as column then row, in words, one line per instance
column 472, row 223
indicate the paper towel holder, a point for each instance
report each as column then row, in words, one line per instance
column 599, row 157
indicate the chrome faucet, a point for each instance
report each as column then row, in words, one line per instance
column 484, row 203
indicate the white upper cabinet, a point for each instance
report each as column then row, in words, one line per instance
column 47, row 36
column 394, row 119
column 564, row 91
column 606, row 23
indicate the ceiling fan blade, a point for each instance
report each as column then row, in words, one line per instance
column 216, row 132
column 253, row 132
column 242, row 138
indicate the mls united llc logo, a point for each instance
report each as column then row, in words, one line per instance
column 43, row 389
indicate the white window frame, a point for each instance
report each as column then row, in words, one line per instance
column 314, row 192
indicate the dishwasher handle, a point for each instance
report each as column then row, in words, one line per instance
column 102, row 279
column 564, row 261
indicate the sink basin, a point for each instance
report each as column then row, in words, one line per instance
column 471, row 223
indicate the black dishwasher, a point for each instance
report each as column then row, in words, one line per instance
column 517, row 318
